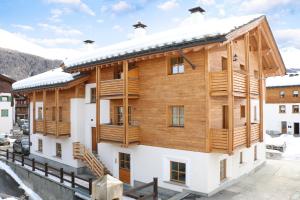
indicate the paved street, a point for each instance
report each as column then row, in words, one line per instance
column 278, row 180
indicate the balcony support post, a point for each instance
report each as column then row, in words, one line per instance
column 33, row 111
column 56, row 110
column 44, row 112
column 98, row 81
column 208, row 105
column 248, row 95
column 230, row 98
column 125, row 103
column 261, row 84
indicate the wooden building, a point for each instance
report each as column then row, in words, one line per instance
column 185, row 105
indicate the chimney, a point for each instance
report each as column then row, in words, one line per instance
column 197, row 10
column 89, row 44
column 139, row 29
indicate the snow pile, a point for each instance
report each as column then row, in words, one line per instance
column 292, row 79
column 51, row 77
column 27, row 190
column 196, row 26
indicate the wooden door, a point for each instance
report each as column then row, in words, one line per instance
column 283, row 127
column 225, row 117
column 94, row 139
column 124, row 167
column 222, row 170
column 296, row 128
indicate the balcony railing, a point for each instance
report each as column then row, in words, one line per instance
column 63, row 128
column 115, row 88
column 39, row 126
column 239, row 136
column 255, row 132
column 254, row 86
column 219, row 139
column 115, row 133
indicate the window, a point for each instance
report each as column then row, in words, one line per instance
column 243, row 111
column 53, row 113
column 255, row 153
column 4, row 98
column 4, row 113
column 255, row 113
column 177, row 65
column 177, row 116
column 60, row 115
column 295, row 93
column 124, row 162
column 281, row 108
column 242, row 67
column 177, row 172
column 282, row 94
column 295, row 108
column 93, row 95
column 40, row 113
column 241, row 157
column 119, row 115
column 224, row 63
column 58, row 150
column 223, row 170
column 40, row 145
column 256, row 74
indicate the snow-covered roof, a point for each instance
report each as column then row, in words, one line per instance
column 52, row 77
column 195, row 27
column 291, row 79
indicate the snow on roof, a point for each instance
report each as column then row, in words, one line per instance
column 291, row 79
column 196, row 26
column 51, row 77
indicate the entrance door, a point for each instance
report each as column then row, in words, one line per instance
column 124, row 167
column 222, row 170
column 283, row 127
column 225, row 117
column 296, row 128
column 94, row 140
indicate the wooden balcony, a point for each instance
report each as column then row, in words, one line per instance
column 254, row 132
column 63, row 128
column 219, row 84
column 239, row 136
column 115, row 133
column 50, row 127
column 113, row 89
column 39, row 126
column 254, row 87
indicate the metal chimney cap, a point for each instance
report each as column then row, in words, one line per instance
column 197, row 9
column 139, row 25
column 88, row 41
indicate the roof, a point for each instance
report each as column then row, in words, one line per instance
column 291, row 79
column 50, row 78
column 195, row 30
column 6, row 78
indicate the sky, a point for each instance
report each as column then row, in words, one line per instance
column 57, row 28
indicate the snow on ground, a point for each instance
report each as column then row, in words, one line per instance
column 292, row 151
column 27, row 190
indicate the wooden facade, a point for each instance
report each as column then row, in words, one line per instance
column 273, row 94
column 223, row 77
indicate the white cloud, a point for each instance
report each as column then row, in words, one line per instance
column 291, row 57
column 64, row 31
column 121, row 6
column 56, row 41
column 57, row 13
column 78, row 3
column 168, row 5
column 23, row 27
column 206, row 2
column 117, row 28
column 261, row 5
column 288, row 37
column 100, row 21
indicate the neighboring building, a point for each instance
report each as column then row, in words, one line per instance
column 6, row 104
column 183, row 105
column 21, row 107
column 282, row 104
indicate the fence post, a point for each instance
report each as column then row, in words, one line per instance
column 13, row 157
column 72, row 180
column 90, row 185
column 33, row 164
column 46, row 169
column 155, row 188
column 23, row 160
column 61, row 175
column 7, row 154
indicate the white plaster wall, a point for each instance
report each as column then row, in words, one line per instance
column 273, row 119
column 6, row 123
column 202, row 169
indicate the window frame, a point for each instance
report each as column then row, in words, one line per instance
column 177, row 63
column 243, row 111
column 178, row 171
column 179, row 116
column 58, row 150
column 293, row 108
column 295, row 93
column 40, row 113
column 255, row 153
column 93, row 95
column 282, row 94
column 241, row 158
column 4, row 113
column 40, row 145
column 124, row 161
column 280, row 110
column 119, row 115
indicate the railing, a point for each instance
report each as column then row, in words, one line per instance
column 115, row 133
column 39, row 126
column 219, row 83
column 255, row 132
column 51, row 127
column 50, row 172
column 254, row 86
column 64, row 128
column 219, row 139
column 239, row 136
column 115, row 87
column 133, row 193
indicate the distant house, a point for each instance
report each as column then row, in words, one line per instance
column 184, row 105
column 21, row 107
column 6, row 104
column 283, row 104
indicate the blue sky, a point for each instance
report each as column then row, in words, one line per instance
column 66, row 23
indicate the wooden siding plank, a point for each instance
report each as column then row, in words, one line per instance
column 248, row 96
column 261, row 85
column 230, row 98
column 125, row 102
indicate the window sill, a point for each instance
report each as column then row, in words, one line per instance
column 176, row 183
column 176, row 126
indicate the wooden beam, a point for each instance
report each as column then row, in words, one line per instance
column 230, row 98
column 98, row 81
column 33, row 111
column 208, row 141
column 56, row 110
column 261, row 85
column 44, row 111
column 125, row 103
column 248, row 95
